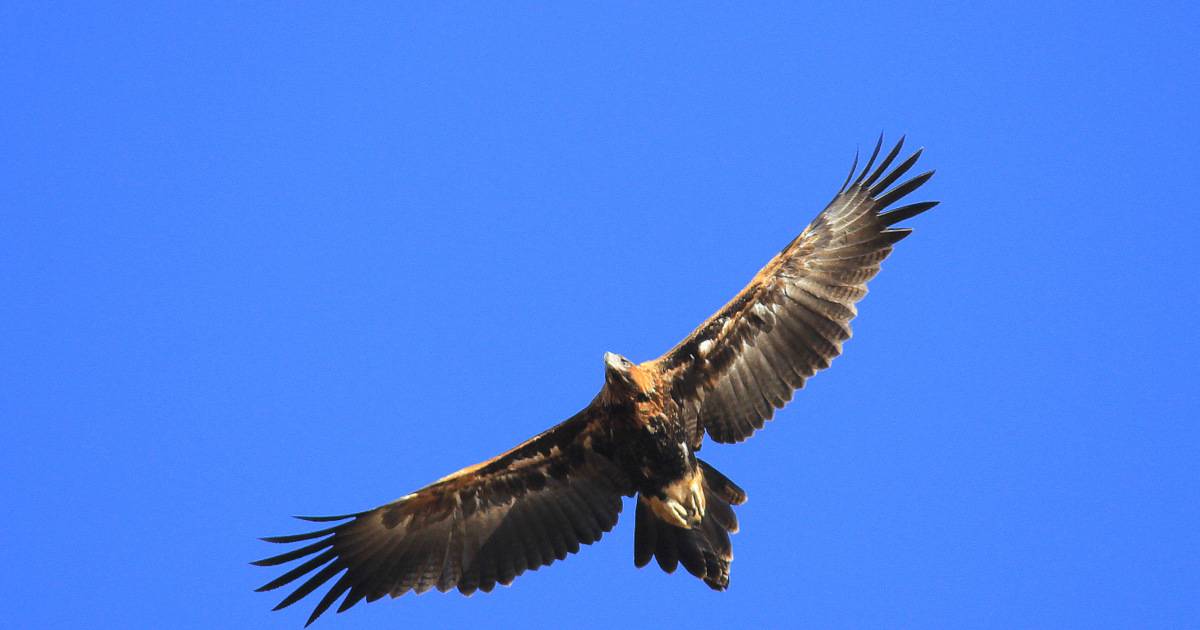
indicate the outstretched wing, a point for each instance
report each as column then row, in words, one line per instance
column 483, row 525
column 744, row 362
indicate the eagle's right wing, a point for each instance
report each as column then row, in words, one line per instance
column 483, row 525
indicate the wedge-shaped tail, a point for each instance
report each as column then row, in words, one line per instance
column 704, row 551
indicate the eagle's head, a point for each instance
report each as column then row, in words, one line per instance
column 623, row 375
column 618, row 369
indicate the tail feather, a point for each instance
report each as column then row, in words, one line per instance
column 705, row 551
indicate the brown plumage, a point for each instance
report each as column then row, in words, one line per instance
column 488, row 523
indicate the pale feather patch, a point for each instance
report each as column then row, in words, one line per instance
column 684, row 505
column 765, row 313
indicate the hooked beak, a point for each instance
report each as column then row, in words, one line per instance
column 615, row 368
column 612, row 361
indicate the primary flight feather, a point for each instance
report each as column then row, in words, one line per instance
column 488, row 523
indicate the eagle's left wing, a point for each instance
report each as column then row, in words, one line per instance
column 483, row 525
column 744, row 362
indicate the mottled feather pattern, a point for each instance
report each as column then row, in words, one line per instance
column 482, row 526
column 790, row 322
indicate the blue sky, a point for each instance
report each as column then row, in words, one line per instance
column 287, row 260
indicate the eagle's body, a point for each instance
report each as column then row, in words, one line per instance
column 650, row 442
column 537, row 502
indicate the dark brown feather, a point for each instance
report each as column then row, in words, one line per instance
column 482, row 526
column 706, row 551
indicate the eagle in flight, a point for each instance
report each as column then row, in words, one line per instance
column 488, row 523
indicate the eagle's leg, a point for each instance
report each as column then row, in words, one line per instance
column 682, row 501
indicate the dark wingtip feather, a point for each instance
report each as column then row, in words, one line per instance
column 887, row 161
column 900, row 191
column 312, row 584
column 299, row 537
column 904, row 213
column 871, row 162
column 895, row 235
column 850, row 175
column 297, row 572
column 293, row 554
column 896, row 173
column 356, row 595
column 339, row 587
column 327, row 519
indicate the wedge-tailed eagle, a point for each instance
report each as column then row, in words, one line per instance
column 488, row 523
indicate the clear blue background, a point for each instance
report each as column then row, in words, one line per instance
column 266, row 261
